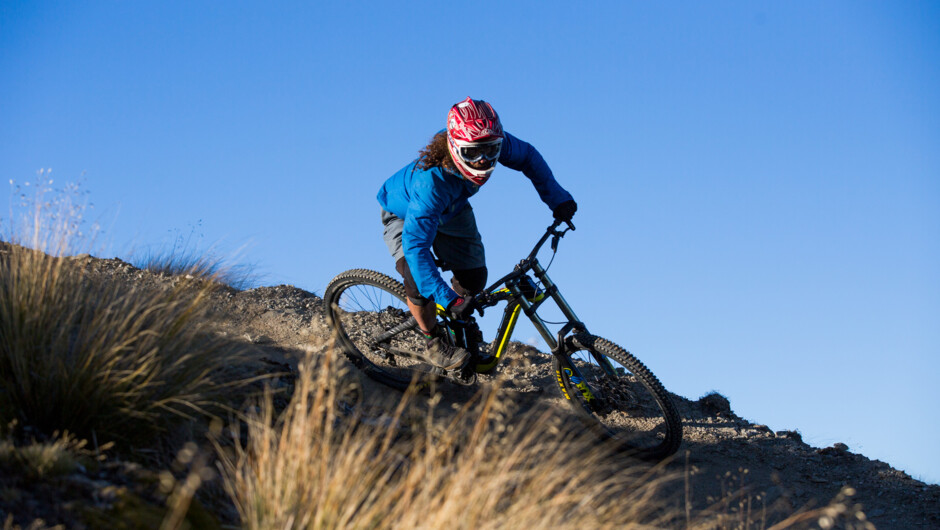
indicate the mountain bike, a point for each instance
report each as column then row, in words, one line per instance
column 612, row 392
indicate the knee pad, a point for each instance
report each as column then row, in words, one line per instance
column 411, row 288
column 468, row 282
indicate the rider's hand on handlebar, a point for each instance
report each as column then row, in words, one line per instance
column 565, row 211
column 461, row 308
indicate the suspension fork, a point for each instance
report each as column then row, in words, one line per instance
column 555, row 342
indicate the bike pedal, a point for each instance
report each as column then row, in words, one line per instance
column 465, row 375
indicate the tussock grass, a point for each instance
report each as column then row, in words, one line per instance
column 184, row 258
column 181, row 262
column 98, row 359
column 484, row 469
column 101, row 360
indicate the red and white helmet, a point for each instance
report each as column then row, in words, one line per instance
column 474, row 136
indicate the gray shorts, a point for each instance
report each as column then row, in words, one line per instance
column 457, row 243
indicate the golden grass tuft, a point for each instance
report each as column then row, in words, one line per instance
column 485, row 468
column 102, row 360
column 189, row 262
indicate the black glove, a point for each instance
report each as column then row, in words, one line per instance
column 565, row 211
column 461, row 308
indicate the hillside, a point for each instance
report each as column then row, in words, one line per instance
column 726, row 463
column 729, row 456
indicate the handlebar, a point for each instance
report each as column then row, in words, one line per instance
column 482, row 299
column 556, row 235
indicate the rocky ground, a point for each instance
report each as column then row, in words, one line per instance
column 725, row 461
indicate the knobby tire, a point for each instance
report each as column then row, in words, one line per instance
column 360, row 304
column 639, row 415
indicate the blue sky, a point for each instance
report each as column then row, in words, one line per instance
column 759, row 183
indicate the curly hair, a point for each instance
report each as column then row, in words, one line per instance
column 436, row 153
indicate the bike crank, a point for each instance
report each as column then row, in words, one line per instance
column 465, row 376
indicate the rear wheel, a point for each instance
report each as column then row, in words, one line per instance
column 619, row 397
column 362, row 307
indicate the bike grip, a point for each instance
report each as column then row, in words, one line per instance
column 570, row 225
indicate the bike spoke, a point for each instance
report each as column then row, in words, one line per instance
column 368, row 311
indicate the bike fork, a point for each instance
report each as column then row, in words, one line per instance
column 575, row 378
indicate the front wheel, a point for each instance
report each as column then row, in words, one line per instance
column 619, row 397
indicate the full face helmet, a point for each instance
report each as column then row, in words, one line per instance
column 475, row 139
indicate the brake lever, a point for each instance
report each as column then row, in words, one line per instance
column 556, row 235
column 479, row 301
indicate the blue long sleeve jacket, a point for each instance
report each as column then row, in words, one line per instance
column 426, row 198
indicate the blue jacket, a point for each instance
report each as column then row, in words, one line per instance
column 426, row 198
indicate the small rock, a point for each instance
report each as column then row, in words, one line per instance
column 258, row 339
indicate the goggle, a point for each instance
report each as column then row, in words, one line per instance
column 476, row 152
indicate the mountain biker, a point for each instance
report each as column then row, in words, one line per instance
column 425, row 207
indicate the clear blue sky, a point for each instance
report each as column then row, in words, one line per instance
column 759, row 183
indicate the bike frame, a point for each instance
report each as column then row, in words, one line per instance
column 522, row 296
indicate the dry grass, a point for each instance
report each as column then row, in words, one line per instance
column 486, row 468
column 59, row 456
column 184, row 257
column 313, row 467
column 182, row 262
column 101, row 360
